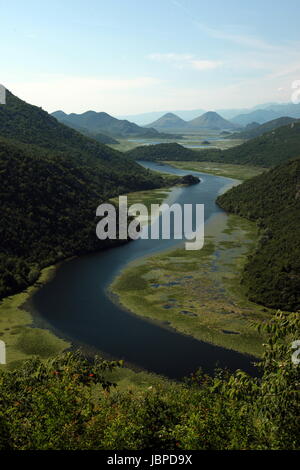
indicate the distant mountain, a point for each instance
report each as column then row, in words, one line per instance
column 102, row 138
column 260, row 115
column 271, row 112
column 96, row 123
column 210, row 120
column 286, row 109
column 144, row 118
column 168, row 121
column 272, row 272
column 255, row 130
column 52, row 179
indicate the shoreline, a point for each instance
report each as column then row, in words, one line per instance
column 22, row 337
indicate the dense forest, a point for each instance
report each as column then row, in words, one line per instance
column 68, row 403
column 52, row 179
column 268, row 150
column 272, row 274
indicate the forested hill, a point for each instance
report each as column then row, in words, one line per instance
column 51, row 181
column 272, row 274
column 170, row 151
column 257, row 130
column 268, row 150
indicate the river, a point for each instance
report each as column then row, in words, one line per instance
column 75, row 303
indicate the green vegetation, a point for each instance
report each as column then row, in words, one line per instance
column 272, row 273
column 268, row 150
column 52, row 179
column 238, row 172
column 68, row 403
column 199, row 293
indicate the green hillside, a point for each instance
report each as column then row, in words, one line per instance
column 51, row 181
column 257, row 130
column 272, row 274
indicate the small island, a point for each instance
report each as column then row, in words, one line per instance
column 189, row 180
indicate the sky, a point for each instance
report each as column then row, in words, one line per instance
column 135, row 56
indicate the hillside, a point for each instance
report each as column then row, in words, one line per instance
column 102, row 138
column 167, row 122
column 268, row 150
column 96, row 123
column 51, row 181
column 272, row 274
column 255, row 130
column 210, row 120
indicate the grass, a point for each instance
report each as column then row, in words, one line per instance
column 188, row 139
column 199, row 292
column 239, row 172
column 22, row 340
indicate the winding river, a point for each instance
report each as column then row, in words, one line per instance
column 75, row 304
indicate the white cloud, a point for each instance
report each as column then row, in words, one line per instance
column 185, row 60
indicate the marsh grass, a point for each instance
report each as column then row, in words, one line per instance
column 239, row 172
column 199, row 292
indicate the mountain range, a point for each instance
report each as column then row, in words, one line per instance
column 240, row 116
column 210, row 120
column 94, row 123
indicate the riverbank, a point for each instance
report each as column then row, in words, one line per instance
column 22, row 339
column 198, row 292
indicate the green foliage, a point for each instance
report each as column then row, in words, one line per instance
column 69, row 403
column 272, row 274
column 52, row 179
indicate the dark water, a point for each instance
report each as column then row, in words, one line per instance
column 75, row 304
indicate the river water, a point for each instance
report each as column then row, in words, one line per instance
column 75, row 304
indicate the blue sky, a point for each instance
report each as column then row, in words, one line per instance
column 129, row 56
